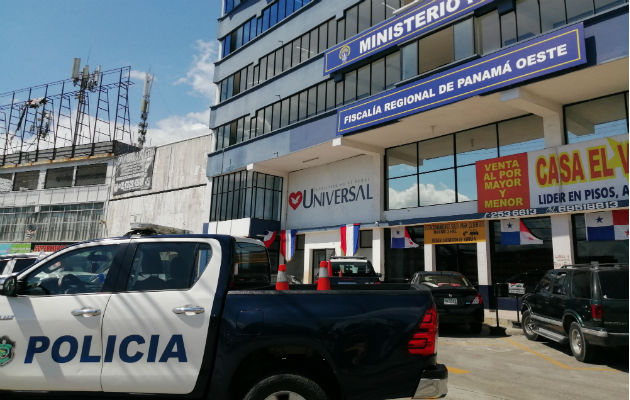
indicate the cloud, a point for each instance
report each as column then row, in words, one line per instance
column 178, row 127
column 429, row 195
column 138, row 75
column 199, row 75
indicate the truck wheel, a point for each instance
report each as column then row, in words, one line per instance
column 528, row 326
column 286, row 387
column 581, row 349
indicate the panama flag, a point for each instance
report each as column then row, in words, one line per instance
column 401, row 239
column 287, row 244
column 514, row 231
column 607, row 225
column 269, row 238
column 349, row 239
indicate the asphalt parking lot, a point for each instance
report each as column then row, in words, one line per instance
column 511, row 367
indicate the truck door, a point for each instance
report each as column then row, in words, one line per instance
column 51, row 332
column 155, row 329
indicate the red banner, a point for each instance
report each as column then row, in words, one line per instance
column 48, row 247
column 503, row 183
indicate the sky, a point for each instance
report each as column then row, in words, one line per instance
column 173, row 39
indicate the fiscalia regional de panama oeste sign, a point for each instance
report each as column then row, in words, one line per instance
column 579, row 173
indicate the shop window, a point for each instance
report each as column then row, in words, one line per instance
column 59, row 177
column 311, row 107
column 278, row 61
column 304, row 47
column 339, row 93
column 460, row 258
column 436, row 154
column 401, row 264
column 436, row 50
column 323, row 37
column 364, row 15
column 464, row 39
column 332, row 32
column 601, row 5
column 527, row 18
column 293, row 112
column 297, row 50
column 378, row 11
column 284, row 113
column 365, row 239
column 392, row 69
column 402, row 160
column 508, row 29
column 488, row 32
column 578, row 9
column 476, row 144
column 275, row 119
column 521, row 135
column 603, row 251
column 312, row 48
column 350, row 90
column 321, row 97
column 6, row 182
column 508, row 260
column 596, row 119
column 286, row 59
column 466, row 183
column 363, row 82
column 25, row 180
column 330, row 94
column 402, row 192
column 409, row 60
column 341, row 30
column 437, row 187
column 351, row 21
column 390, row 7
column 303, row 105
column 377, row 83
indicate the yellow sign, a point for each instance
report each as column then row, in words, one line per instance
column 455, row 232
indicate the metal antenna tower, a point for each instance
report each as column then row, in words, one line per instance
column 54, row 120
column 144, row 110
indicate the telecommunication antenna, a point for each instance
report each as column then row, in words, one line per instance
column 144, row 110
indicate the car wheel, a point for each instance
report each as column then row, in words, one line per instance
column 286, row 387
column 475, row 327
column 528, row 326
column 581, row 349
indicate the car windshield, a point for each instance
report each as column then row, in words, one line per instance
column 352, row 268
column 439, row 280
column 614, row 284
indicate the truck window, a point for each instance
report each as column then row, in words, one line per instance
column 251, row 265
column 350, row 268
column 3, row 263
column 614, row 284
column 165, row 266
column 80, row 271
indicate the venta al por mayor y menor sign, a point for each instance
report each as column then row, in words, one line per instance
column 595, row 171
column 414, row 22
column 546, row 54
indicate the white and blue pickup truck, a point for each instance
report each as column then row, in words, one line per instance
column 196, row 316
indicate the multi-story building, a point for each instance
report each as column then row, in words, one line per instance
column 438, row 120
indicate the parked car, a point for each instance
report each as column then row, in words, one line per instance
column 352, row 270
column 456, row 299
column 524, row 282
column 17, row 262
column 584, row 304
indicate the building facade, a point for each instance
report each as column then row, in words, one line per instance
column 441, row 120
column 56, row 200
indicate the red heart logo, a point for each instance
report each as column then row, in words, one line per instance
column 295, row 199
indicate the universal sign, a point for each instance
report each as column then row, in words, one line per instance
column 412, row 23
column 541, row 56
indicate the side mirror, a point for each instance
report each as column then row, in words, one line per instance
column 9, row 286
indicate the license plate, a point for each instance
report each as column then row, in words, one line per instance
column 450, row 301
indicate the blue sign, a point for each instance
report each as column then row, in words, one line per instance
column 544, row 55
column 412, row 23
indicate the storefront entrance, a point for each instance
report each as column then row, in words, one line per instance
column 318, row 256
column 458, row 257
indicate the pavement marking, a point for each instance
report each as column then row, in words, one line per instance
column 453, row 370
column 558, row 363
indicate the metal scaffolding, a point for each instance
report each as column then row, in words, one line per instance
column 54, row 120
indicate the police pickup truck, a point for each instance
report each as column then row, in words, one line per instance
column 195, row 316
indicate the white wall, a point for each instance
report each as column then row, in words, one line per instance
column 180, row 194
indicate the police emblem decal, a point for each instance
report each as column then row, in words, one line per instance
column 6, row 350
column 344, row 52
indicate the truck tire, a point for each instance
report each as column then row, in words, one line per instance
column 528, row 326
column 286, row 386
column 581, row 349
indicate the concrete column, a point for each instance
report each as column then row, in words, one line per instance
column 484, row 270
column 378, row 249
column 429, row 257
column 562, row 240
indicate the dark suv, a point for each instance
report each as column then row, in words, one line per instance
column 586, row 305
